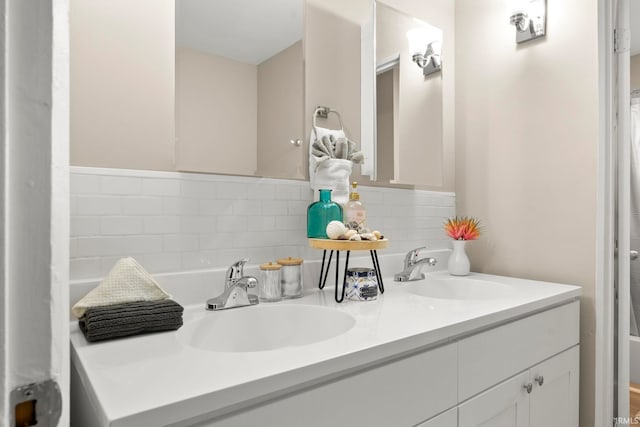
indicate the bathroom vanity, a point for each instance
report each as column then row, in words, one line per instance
column 442, row 352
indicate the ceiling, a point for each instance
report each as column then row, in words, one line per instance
column 244, row 30
column 634, row 21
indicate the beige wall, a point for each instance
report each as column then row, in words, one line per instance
column 216, row 114
column 386, row 112
column 122, row 77
column 526, row 148
column 635, row 72
column 280, row 106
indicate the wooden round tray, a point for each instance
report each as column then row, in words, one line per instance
column 348, row 245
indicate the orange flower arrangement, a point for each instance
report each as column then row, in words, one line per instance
column 462, row 228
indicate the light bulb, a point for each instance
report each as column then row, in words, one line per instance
column 418, row 41
column 515, row 7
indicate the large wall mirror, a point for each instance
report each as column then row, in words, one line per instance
column 359, row 61
column 248, row 75
column 239, row 87
column 408, row 99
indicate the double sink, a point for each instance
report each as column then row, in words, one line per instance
column 276, row 326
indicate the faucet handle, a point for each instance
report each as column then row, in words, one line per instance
column 412, row 255
column 236, row 270
column 247, row 282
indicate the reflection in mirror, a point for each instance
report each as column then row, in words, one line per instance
column 239, row 87
column 409, row 104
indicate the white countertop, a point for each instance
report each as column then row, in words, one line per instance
column 156, row 379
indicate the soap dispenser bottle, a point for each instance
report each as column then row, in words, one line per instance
column 354, row 210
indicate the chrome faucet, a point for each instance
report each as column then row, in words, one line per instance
column 413, row 265
column 235, row 289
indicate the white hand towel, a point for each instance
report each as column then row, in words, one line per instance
column 316, row 135
column 127, row 281
column 331, row 174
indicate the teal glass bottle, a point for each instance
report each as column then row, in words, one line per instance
column 321, row 213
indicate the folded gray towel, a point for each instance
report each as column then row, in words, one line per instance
column 133, row 318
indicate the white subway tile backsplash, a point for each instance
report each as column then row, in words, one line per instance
column 231, row 223
column 233, row 190
column 215, row 207
column 182, row 221
column 261, row 223
column 161, row 224
column 85, row 184
column 160, row 187
column 220, row 240
column 121, row 225
column 121, row 185
column 274, row 207
column 142, row 205
column 85, row 268
column 198, row 189
column 298, row 207
column 291, row 222
column 96, row 205
column 246, row 207
column 118, row 245
column 163, row 261
column 198, row 224
column 85, row 226
column 261, row 191
column 287, row 192
column 181, row 242
column 179, row 206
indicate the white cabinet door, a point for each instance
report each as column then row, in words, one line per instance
column 447, row 419
column 554, row 399
column 505, row 405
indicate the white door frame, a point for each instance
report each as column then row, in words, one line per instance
column 613, row 215
column 623, row 274
column 34, row 202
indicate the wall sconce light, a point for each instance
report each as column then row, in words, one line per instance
column 529, row 17
column 425, row 47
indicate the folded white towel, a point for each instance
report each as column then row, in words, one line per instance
column 329, row 173
column 127, row 281
column 333, row 174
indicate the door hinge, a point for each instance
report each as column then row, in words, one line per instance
column 621, row 40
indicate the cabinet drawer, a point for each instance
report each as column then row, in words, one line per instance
column 401, row 393
column 491, row 356
column 448, row 419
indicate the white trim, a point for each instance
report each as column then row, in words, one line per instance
column 623, row 138
column 60, row 209
column 388, row 63
column 604, row 296
column 81, row 170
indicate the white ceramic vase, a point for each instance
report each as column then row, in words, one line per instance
column 459, row 264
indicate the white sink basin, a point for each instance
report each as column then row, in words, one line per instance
column 457, row 288
column 264, row 327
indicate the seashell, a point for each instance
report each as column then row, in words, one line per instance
column 335, row 229
column 356, row 238
column 377, row 234
column 369, row 236
column 349, row 234
column 353, row 225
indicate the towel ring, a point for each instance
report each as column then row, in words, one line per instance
column 323, row 112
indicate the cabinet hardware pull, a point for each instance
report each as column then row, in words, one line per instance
column 539, row 379
column 528, row 387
